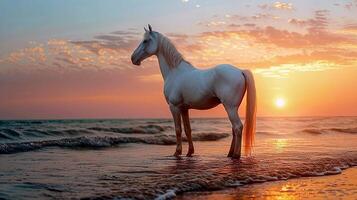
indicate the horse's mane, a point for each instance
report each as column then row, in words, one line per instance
column 172, row 55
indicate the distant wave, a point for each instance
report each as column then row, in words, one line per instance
column 266, row 133
column 328, row 130
column 100, row 142
column 147, row 129
column 313, row 131
column 10, row 132
column 344, row 130
column 4, row 136
column 14, row 134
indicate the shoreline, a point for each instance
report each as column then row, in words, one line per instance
column 339, row 186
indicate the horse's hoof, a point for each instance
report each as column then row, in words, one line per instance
column 177, row 153
column 190, row 152
column 236, row 156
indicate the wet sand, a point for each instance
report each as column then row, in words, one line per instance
column 342, row 186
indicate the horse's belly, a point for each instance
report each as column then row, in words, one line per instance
column 202, row 103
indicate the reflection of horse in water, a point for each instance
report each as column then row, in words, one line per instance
column 186, row 87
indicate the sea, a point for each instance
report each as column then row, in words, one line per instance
column 133, row 158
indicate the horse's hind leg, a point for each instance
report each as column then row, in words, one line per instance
column 187, row 127
column 176, row 114
column 231, row 149
column 237, row 126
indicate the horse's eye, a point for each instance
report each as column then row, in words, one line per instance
column 146, row 41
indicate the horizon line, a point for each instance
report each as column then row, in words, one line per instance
column 143, row 118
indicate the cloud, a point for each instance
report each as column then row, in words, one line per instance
column 214, row 23
column 283, row 6
column 236, row 39
column 103, row 52
column 317, row 24
column 237, row 20
column 30, row 54
column 234, row 18
column 283, row 38
column 277, row 5
column 349, row 29
column 282, row 71
column 151, row 78
column 350, row 5
column 336, row 57
column 257, row 46
column 264, row 16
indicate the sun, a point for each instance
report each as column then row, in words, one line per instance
column 280, row 102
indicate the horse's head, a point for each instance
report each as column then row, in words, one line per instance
column 147, row 47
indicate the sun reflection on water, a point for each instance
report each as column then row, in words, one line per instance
column 280, row 144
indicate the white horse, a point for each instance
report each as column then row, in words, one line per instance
column 186, row 87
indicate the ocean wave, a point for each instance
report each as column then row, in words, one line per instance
column 266, row 133
column 100, row 142
column 7, row 133
column 12, row 134
column 147, row 129
column 230, row 174
column 160, row 121
column 344, row 130
column 313, row 131
column 329, row 130
column 188, row 177
column 69, row 132
column 4, row 136
column 169, row 194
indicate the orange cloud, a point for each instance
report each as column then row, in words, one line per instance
column 277, row 5
column 246, row 44
column 283, row 70
column 104, row 53
column 350, row 29
column 283, row 6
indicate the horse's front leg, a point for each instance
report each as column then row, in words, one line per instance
column 176, row 114
column 187, row 127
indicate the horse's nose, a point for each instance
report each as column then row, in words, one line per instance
column 132, row 59
column 135, row 61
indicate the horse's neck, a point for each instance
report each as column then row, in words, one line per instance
column 166, row 69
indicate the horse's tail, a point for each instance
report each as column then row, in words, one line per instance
column 250, row 114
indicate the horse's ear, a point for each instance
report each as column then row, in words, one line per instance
column 145, row 29
column 150, row 29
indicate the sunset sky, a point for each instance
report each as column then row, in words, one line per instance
column 71, row 59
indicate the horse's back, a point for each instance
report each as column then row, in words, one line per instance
column 227, row 72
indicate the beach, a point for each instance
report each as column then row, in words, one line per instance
column 115, row 159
